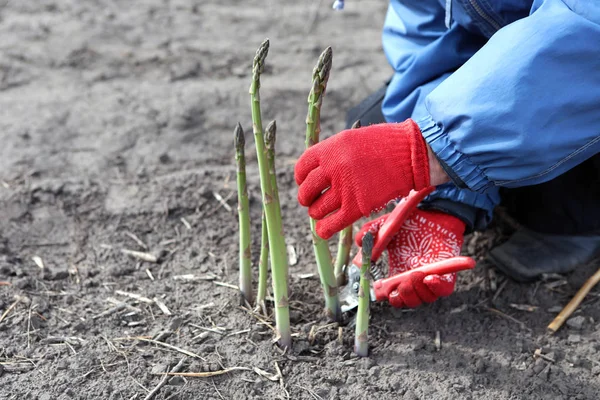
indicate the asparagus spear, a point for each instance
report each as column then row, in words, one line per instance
column 244, row 217
column 361, row 338
column 263, row 265
column 270, row 134
column 277, row 250
column 344, row 245
column 343, row 254
column 313, row 129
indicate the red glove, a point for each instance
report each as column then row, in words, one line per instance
column 425, row 237
column 358, row 171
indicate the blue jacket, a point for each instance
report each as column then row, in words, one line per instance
column 506, row 92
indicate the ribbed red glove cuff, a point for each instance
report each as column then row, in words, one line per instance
column 420, row 160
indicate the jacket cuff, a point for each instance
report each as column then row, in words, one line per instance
column 463, row 173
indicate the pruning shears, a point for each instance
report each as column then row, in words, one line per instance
column 381, row 288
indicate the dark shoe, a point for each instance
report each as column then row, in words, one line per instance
column 368, row 112
column 528, row 254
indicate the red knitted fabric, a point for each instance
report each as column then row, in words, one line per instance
column 425, row 237
column 358, row 171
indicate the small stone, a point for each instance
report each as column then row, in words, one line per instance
column 175, row 323
column 247, row 348
column 58, row 275
column 295, row 316
column 539, row 366
column 159, row 369
column 177, row 381
column 573, row 338
column 595, row 370
column 322, row 393
column 121, row 270
column 575, row 361
column 458, row 387
column 366, row 363
column 555, row 309
column 80, row 326
column 334, row 348
column 62, row 365
column 375, row 371
column 164, row 158
column 419, row 344
column 410, row 395
column 479, row 366
column 22, row 283
column 576, row 322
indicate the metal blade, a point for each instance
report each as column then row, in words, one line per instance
column 349, row 293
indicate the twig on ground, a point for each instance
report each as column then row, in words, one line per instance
column 213, row 330
column 280, row 375
column 137, row 240
column 149, row 274
column 186, row 223
column 573, row 304
column 163, row 381
column 9, row 309
column 209, row 374
column 134, row 296
column 192, row 277
column 266, row 375
column 312, row 393
column 500, row 313
column 217, row 390
column 538, row 353
column 260, row 318
column 140, row 255
column 166, row 345
column 162, row 306
column 222, row 201
column 227, row 285
column 238, row 332
column 500, row 289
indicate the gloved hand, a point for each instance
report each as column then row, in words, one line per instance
column 358, row 171
column 425, row 237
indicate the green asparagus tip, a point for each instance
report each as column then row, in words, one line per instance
column 270, row 132
column 325, row 61
column 238, row 137
column 356, row 125
column 261, row 54
column 367, row 244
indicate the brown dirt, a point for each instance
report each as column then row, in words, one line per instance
column 116, row 119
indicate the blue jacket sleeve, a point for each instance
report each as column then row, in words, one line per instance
column 526, row 107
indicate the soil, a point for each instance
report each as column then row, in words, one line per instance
column 116, row 120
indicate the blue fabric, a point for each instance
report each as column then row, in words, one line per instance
column 508, row 96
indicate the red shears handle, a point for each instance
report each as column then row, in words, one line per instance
column 384, row 287
column 393, row 223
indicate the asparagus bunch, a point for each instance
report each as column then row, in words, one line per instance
column 277, row 249
column 313, row 129
column 244, row 218
column 361, row 338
